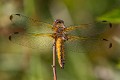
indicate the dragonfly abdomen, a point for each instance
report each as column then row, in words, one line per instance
column 60, row 51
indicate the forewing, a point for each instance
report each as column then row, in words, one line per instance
column 82, row 26
column 30, row 24
column 31, row 40
column 90, row 29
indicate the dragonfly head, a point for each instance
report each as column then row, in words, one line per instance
column 58, row 23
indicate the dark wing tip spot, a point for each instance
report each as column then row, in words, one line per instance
column 16, row 32
column 110, row 45
column 105, row 39
column 10, row 38
column 104, row 21
column 17, row 14
column 11, row 17
column 110, row 25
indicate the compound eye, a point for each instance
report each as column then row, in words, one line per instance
column 59, row 21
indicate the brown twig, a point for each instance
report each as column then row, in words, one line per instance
column 54, row 61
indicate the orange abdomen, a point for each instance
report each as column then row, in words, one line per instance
column 60, row 51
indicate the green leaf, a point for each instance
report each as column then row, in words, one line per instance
column 113, row 16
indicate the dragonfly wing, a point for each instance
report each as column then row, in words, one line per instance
column 90, row 29
column 82, row 26
column 78, row 44
column 29, row 23
column 31, row 40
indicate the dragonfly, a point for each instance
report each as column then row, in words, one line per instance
column 57, row 32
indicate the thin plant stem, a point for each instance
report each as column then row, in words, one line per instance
column 54, row 61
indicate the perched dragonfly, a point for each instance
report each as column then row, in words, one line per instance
column 57, row 32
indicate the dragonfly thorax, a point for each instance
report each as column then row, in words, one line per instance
column 63, row 36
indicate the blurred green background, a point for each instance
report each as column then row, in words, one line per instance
column 22, row 63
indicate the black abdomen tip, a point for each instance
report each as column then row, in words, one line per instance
column 62, row 67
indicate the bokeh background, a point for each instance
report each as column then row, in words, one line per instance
column 22, row 63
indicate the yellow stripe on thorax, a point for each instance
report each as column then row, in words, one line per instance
column 60, row 51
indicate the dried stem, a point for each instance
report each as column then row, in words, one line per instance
column 54, row 61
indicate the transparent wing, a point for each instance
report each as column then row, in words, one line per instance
column 31, row 40
column 82, row 26
column 29, row 23
column 90, row 29
column 80, row 44
column 89, row 37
